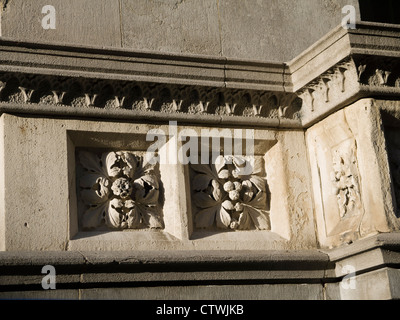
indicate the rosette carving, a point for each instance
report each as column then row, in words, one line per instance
column 231, row 194
column 119, row 190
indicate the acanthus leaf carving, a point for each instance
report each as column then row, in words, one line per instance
column 378, row 71
column 90, row 99
column 329, row 85
column 26, row 94
column 119, row 190
column 58, row 96
column 81, row 92
column 230, row 196
column 382, row 76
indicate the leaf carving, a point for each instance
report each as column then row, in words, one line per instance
column 146, row 190
column 259, row 217
column 223, row 218
column 113, row 218
column 245, row 222
column 230, row 195
column 203, row 200
column 94, row 216
column 205, row 218
column 205, row 169
column 110, row 159
column 259, row 201
column 201, row 182
column 120, row 189
column 131, row 163
column 150, row 215
column 90, row 161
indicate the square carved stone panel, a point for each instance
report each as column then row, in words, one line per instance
column 231, row 193
column 350, row 175
column 118, row 190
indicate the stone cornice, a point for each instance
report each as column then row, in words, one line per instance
column 134, row 100
column 106, row 83
column 187, row 266
column 342, row 67
column 141, row 66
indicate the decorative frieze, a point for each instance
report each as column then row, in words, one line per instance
column 354, row 77
column 143, row 96
column 120, row 190
column 329, row 86
column 378, row 71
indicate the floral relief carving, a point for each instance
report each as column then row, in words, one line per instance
column 230, row 196
column 345, row 181
column 119, row 190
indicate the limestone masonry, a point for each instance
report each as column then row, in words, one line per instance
column 213, row 149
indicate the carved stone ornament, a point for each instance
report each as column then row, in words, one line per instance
column 345, row 181
column 329, row 86
column 120, row 190
column 230, row 196
column 141, row 96
column 378, row 71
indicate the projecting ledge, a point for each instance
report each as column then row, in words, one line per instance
column 99, row 269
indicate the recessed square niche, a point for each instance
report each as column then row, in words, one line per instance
column 237, row 196
column 117, row 196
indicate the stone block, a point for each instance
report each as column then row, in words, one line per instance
column 276, row 30
column 89, row 22
column 350, row 175
column 207, row 27
column 375, row 285
column 36, row 185
column 78, row 166
column 214, row 292
column 171, row 26
column 58, row 294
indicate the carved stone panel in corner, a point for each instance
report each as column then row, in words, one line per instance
column 231, row 193
column 118, row 190
column 346, row 181
column 336, row 180
column 350, row 175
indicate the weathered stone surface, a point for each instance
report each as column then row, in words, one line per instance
column 316, row 217
column 220, row 28
column 99, row 275
column 284, row 28
column 351, row 194
column 241, row 292
column 89, row 22
column 171, row 26
column 52, row 148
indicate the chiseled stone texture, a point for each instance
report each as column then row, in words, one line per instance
column 226, row 28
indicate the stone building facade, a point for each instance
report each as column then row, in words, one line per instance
column 274, row 140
